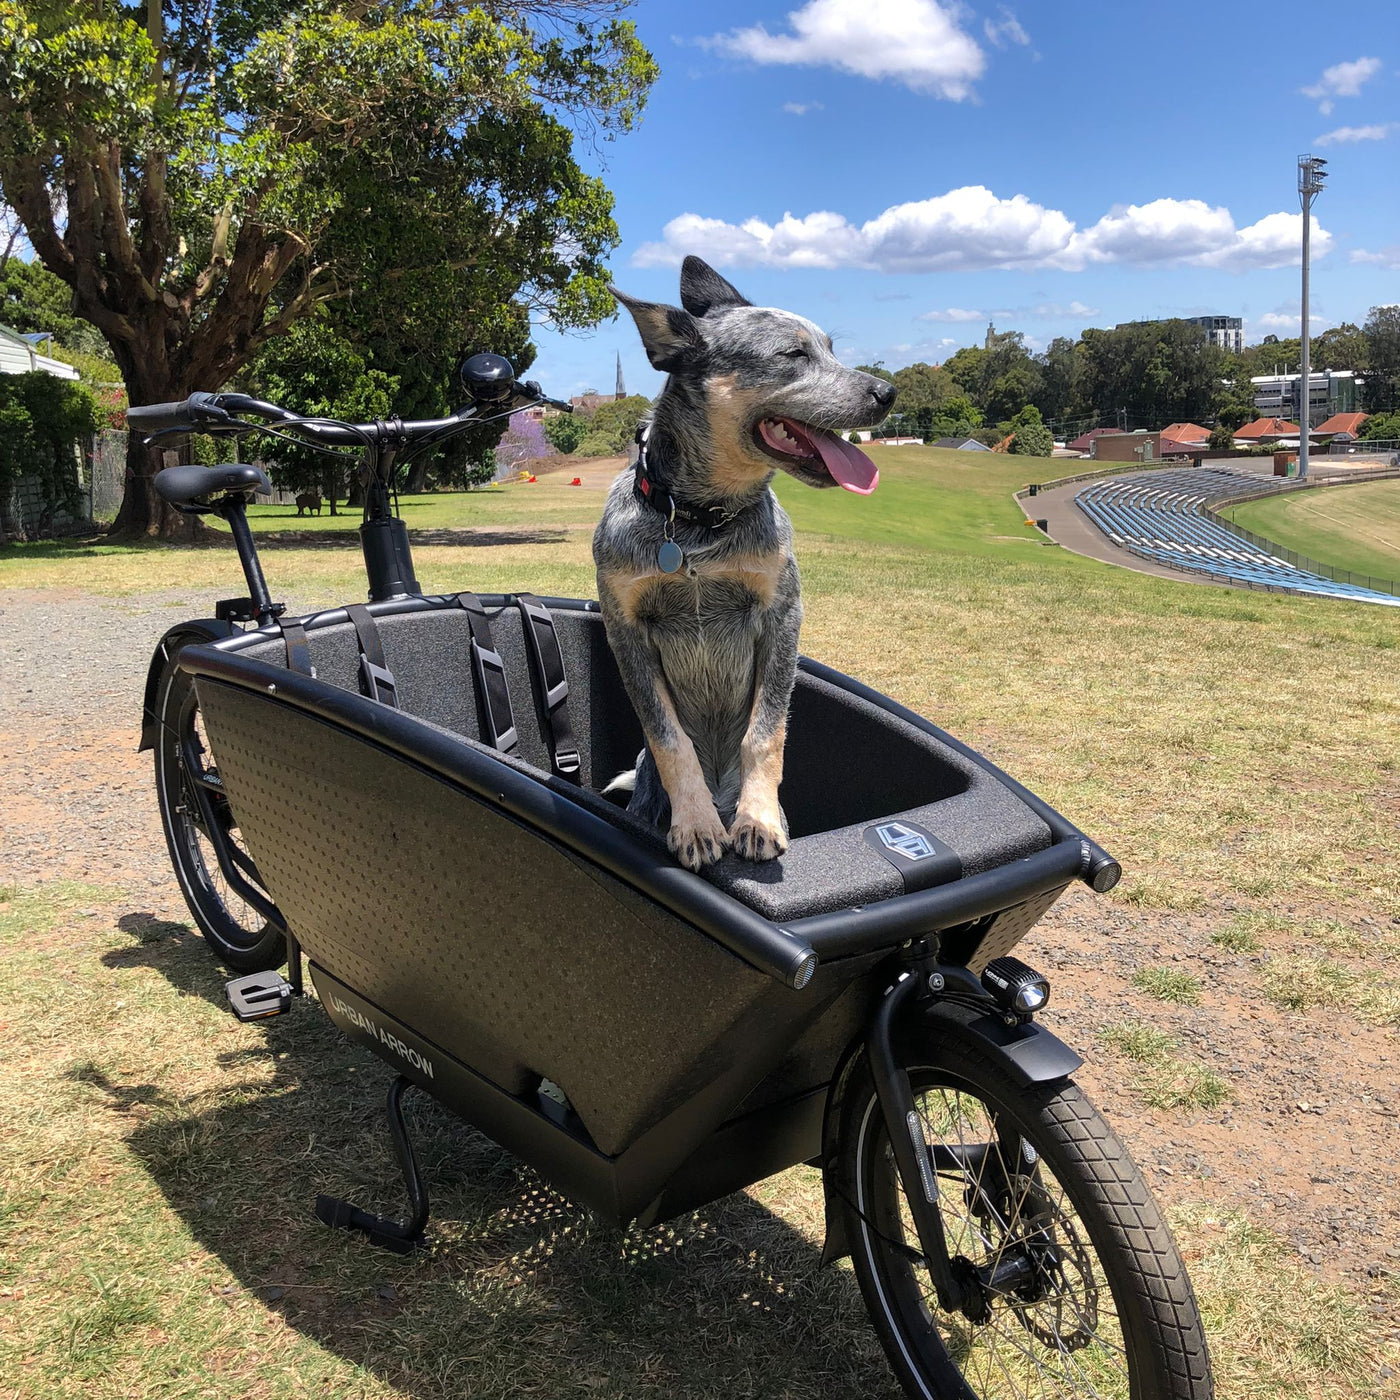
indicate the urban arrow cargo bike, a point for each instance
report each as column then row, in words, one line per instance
column 405, row 800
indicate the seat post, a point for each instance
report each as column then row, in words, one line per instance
column 235, row 511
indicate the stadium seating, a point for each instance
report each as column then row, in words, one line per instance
column 1159, row 516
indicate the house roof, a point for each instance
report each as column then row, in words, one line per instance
column 1185, row 432
column 1343, row 423
column 1171, row 446
column 1266, row 428
column 1081, row 443
column 963, row 444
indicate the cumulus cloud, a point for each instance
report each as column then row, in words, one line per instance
column 1346, row 134
column 800, row 109
column 954, row 314
column 1289, row 323
column 1379, row 257
column 1007, row 30
column 919, row 43
column 971, row 228
column 1341, row 80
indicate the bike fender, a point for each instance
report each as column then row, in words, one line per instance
column 203, row 629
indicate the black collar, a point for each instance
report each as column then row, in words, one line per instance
column 653, row 492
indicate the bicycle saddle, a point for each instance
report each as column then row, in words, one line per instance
column 180, row 485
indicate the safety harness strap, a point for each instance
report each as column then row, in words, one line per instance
column 298, row 649
column 376, row 679
column 489, row 676
column 551, row 686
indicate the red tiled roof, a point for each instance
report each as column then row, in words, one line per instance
column 1081, row 443
column 1185, row 432
column 1343, row 423
column 1267, row 428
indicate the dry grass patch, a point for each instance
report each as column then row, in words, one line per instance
column 1164, row 1078
column 1169, row 984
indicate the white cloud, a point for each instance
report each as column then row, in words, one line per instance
column 952, row 313
column 1380, row 257
column 1289, row 323
column 1341, row 80
column 1007, row 30
column 971, row 228
column 800, row 109
column 1345, row 134
column 915, row 42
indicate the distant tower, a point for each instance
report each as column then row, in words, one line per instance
column 621, row 387
column 991, row 336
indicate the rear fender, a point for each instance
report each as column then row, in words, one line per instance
column 204, row 629
column 1027, row 1054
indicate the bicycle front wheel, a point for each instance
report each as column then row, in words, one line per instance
column 1081, row 1290
column 243, row 939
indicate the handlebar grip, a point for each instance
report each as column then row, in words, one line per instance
column 159, row 417
column 193, row 412
column 531, row 390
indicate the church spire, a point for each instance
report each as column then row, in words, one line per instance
column 621, row 387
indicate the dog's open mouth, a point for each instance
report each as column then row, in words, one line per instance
column 844, row 462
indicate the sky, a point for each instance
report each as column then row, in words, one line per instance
column 903, row 171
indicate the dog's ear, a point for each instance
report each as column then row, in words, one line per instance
column 668, row 333
column 704, row 290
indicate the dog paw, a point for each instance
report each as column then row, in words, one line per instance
column 756, row 837
column 698, row 842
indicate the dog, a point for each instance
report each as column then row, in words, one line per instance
column 697, row 582
column 310, row 502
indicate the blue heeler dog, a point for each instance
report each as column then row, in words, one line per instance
column 696, row 575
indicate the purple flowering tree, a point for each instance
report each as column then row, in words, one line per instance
column 522, row 443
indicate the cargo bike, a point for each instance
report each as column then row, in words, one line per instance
column 402, row 802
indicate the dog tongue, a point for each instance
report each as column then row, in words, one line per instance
column 848, row 465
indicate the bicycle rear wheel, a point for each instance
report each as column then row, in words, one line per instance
column 1091, row 1297
column 243, row 939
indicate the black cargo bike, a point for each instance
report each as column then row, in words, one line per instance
column 404, row 799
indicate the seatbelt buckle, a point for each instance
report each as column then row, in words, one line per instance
column 567, row 764
column 378, row 683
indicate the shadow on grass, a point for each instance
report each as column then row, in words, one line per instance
column 522, row 1291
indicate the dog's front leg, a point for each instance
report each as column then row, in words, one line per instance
column 697, row 836
column 759, row 831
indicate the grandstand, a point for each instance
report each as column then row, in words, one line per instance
column 1163, row 516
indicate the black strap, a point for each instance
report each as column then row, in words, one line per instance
column 298, row 649
column 489, row 676
column 652, row 491
column 551, row 686
column 376, row 679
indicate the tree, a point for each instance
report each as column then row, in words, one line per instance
column 1381, row 427
column 524, row 442
column 1159, row 372
column 1059, row 365
column 1382, row 332
column 1222, row 438
column 314, row 370
column 957, row 418
column 613, row 427
column 1029, row 435
column 33, row 299
column 202, row 177
column 923, row 389
column 566, row 430
column 43, row 419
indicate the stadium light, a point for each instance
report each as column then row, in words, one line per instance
column 1312, row 174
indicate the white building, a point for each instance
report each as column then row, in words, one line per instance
column 1329, row 391
column 1226, row 331
column 18, row 356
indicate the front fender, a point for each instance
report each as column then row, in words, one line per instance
column 1029, row 1054
column 203, row 629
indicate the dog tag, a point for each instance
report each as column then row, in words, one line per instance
column 670, row 557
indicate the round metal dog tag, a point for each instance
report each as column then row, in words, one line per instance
column 669, row 557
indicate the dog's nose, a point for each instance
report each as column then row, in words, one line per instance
column 882, row 391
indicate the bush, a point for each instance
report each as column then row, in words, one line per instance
column 43, row 420
column 1029, row 435
column 1381, row 426
column 613, row 427
column 566, row 430
column 1222, row 439
column 854, row 437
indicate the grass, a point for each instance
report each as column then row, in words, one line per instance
column 1349, row 527
column 1164, row 1079
column 159, row 1159
column 1169, row 984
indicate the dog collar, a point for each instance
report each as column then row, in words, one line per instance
column 653, row 493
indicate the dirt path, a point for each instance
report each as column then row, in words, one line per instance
column 1308, row 1143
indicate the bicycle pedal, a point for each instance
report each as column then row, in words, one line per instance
column 259, row 995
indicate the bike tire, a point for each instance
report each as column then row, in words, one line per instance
column 1162, row 1354
column 241, row 937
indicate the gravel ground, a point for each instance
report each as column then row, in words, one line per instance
column 1309, row 1142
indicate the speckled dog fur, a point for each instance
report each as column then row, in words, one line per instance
column 709, row 654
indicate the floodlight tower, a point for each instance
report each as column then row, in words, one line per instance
column 1312, row 173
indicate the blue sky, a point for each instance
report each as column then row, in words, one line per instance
column 902, row 170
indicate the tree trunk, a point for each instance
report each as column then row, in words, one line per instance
column 330, row 484
column 417, row 481
column 143, row 514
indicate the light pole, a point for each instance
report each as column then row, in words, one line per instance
column 1311, row 175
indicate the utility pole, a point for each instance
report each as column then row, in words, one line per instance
column 1311, row 175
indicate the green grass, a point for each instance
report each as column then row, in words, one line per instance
column 1238, row 936
column 1169, row 984
column 1349, row 527
column 1165, row 1079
